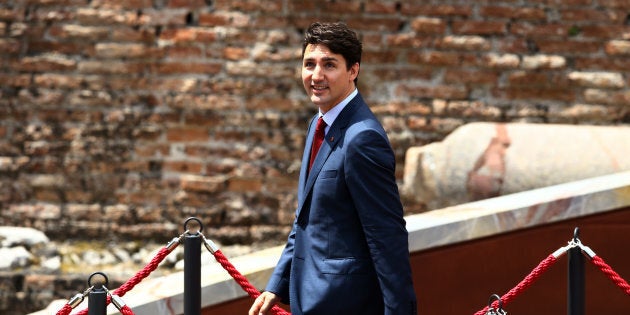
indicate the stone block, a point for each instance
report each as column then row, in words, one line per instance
column 483, row 160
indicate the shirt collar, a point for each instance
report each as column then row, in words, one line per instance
column 332, row 114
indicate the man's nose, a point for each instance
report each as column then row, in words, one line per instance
column 318, row 74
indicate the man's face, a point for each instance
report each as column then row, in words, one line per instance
column 326, row 77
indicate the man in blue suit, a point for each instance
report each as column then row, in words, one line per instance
column 348, row 250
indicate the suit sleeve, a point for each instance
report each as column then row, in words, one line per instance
column 279, row 281
column 370, row 174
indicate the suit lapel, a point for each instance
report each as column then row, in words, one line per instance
column 307, row 179
column 305, row 159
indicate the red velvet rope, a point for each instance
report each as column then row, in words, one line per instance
column 65, row 310
column 243, row 282
column 125, row 310
column 524, row 284
column 146, row 271
column 612, row 275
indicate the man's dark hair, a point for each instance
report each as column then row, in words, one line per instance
column 338, row 37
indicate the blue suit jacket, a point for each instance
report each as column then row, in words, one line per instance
column 348, row 250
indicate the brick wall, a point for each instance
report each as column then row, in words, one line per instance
column 124, row 117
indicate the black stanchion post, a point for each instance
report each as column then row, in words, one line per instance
column 576, row 283
column 97, row 298
column 192, row 271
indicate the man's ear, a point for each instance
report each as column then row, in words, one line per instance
column 354, row 71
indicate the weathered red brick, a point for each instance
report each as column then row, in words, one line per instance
column 252, row 5
column 479, row 27
column 266, row 21
column 409, row 8
column 189, row 167
column 168, row 68
column 205, row 102
column 122, row 4
column 543, row 62
column 51, row 80
column 205, row 184
column 46, row 63
column 12, row 14
column 607, row 97
column 429, row 25
column 214, row 19
column 435, row 58
column 506, row 61
column 469, row 43
column 526, row 78
column 602, row 63
column 510, row 12
column 102, row 16
column 244, row 184
column 18, row 80
column 202, row 118
column 618, row 47
column 582, row 112
column 568, row 47
column 189, row 35
column 187, row 4
column 470, row 77
column 535, row 93
column 52, row 14
column 110, row 67
column 275, row 104
column 407, row 40
column 593, row 15
column 617, row 4
column 443, row 126
column 544, row 31
column 151, row 149
column 514, row 46
column 597, row 79
column 475, row 109
column 381, row 24
column 168, row 18
column 41, row 97
column 129, row 34
column 65, row 48
column 604, row 31
column 127, row 51
column 186, row 134
column 398, row 73
column 382, row 7
column 443, row 91
column 568, row 3
column 183, row 52
column 79, row 32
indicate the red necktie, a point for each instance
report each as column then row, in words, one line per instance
column 318, row 138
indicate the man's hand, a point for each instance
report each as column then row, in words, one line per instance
column 263, row 303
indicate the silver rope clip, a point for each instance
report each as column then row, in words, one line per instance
column 79, row 297
column 173, row 243
column 116, row 300
column 499, row 310
column 209, row 244
column 587, row 250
